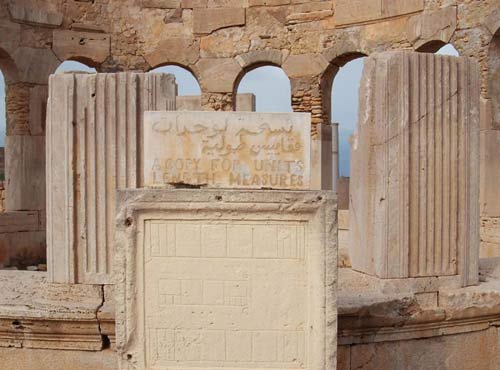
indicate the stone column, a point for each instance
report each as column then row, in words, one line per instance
column 415, row 168
column 94, row 146
column 335, row 156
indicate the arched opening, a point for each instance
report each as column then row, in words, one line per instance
column 340, row 90
column 188, row 88
column 340, row 87
column 438, row 47
column 74, row 66
column 263, row 89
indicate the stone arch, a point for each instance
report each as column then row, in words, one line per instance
column 191, row 69
column 328, row 76
column 80, row 63
column 8, row 67
column 258, row 64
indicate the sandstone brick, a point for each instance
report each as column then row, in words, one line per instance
column 218, row 74
column 209, row 20
column 35, row 65
column 37, row 16
column 185, row 51
column 95, row 47
column 432, row 26
column 161, row 4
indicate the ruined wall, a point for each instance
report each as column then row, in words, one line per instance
column 218, row 41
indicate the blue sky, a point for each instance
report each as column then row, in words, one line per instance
column 272, row 89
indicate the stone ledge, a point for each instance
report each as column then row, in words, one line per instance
column 36, row 314
column 367, row 314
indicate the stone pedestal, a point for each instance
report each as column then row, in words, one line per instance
column 415, row 168
column 224, row 279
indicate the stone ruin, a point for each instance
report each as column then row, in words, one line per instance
column 190, row 232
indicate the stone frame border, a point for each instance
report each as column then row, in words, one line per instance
column 318, row 208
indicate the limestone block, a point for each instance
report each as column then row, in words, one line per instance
column 28, row 359
column 218, row 75
column 321, row 157
column 11, row 39
column 359, row 11
column 355, row 11
column 415, row 168
column 432, row 26
column 35, row 65
column 443, row 352
column 392, row 8
column 37, row 314
column 38, row 109
column 181, row 50
column 249, row 277
column 37, row 16
column 211, row 19
column 94, row 146
column 245, row 103
column 90, row 45
column 227, row 149
column 490, row 173
column 22, row 249
column 188, row 103
column 260, row 56
column 25, row 173
column 490, row 237
column 19, row 221
column 304, row 65
column 161, row 4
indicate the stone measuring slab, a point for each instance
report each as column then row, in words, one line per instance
column 227, row 149
column 248, row 281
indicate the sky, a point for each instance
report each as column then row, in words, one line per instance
column 272, row 90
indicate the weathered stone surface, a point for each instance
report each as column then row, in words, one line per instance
column 209, row 20
column 490, row 172
column 304, row 65
column 434, row 26
column 251, row 58
column 22, row 248
column 414, row 206
column 359, row 11
column 227, row 150
column 38, row 109
column 445, row 353
column 37, row 314
column 77, row 45
column 490, row 237
column 161, row 4
column 25, row 172
column 218, row 74
column 269, row 305
column 35, row 65
column 245, row 103
column 27, row 359
column 19, row 221
column 94, row 146
column 31, row 15
column 169, row 50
